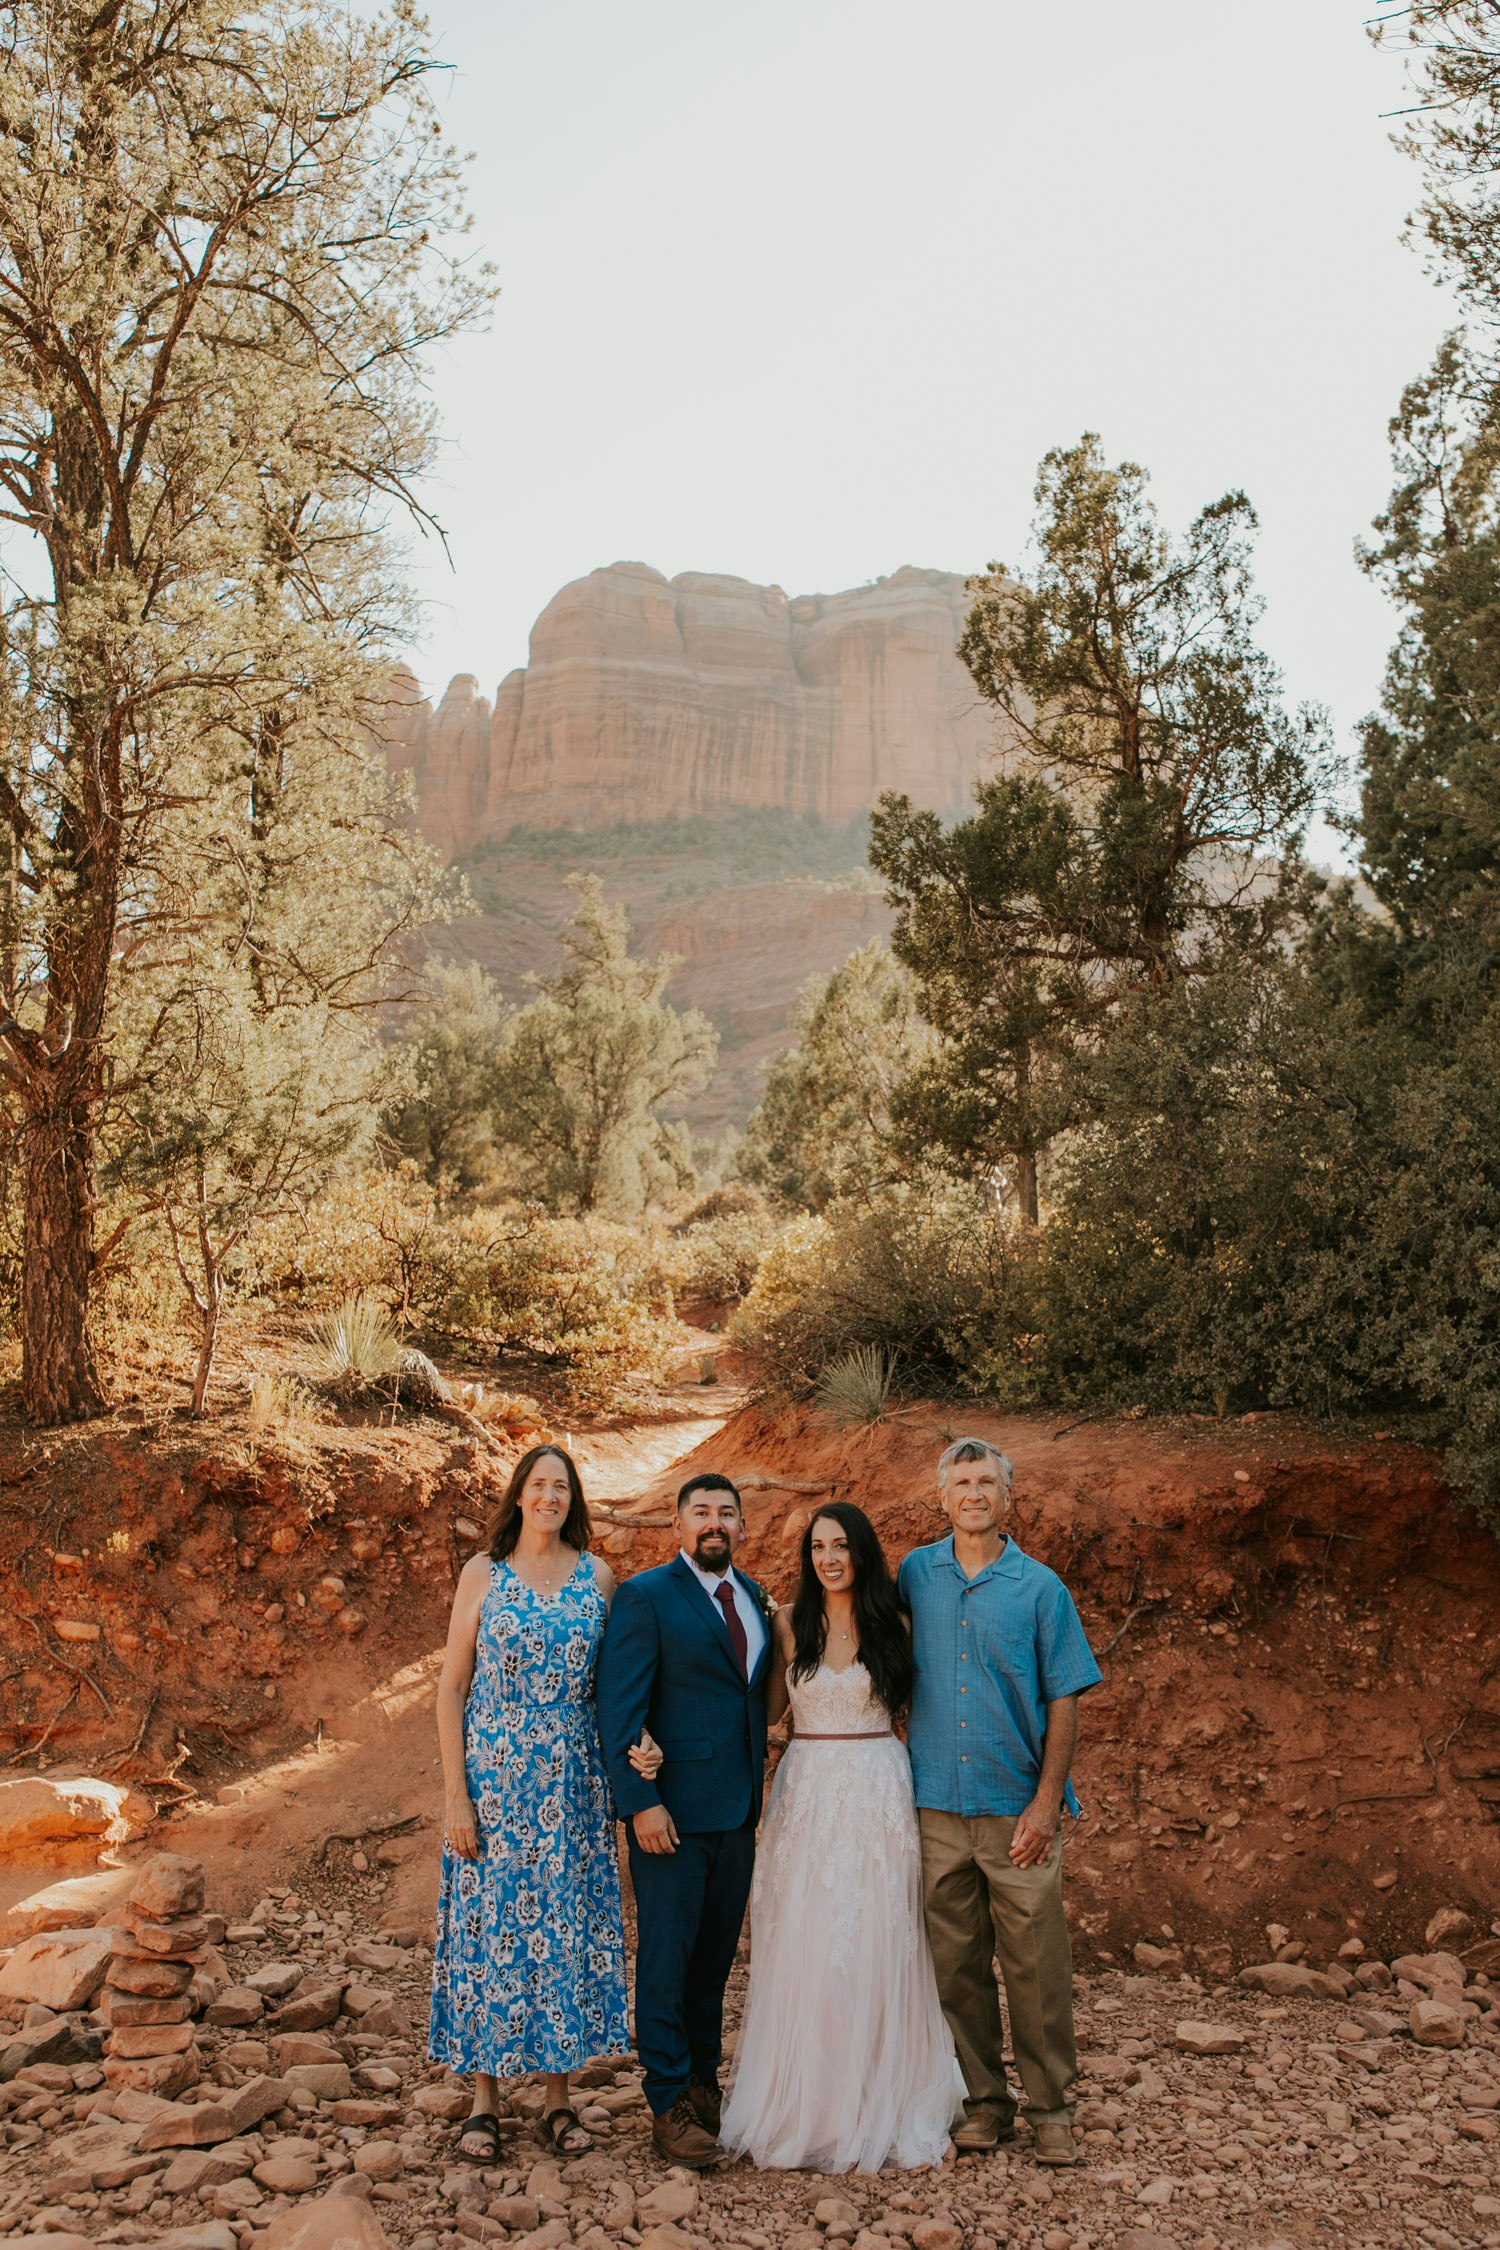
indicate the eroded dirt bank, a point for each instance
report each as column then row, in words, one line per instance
column 1300, row 1722
column 1301, row 1647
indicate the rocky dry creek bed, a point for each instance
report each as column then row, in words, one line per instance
column 1352, row 2103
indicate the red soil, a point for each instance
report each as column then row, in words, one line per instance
column 1304, row 1693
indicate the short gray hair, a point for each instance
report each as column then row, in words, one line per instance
column 975, row 1449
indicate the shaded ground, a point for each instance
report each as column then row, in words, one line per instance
column 1323, row 2127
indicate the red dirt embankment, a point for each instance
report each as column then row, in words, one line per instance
column 157, row 1595
column 1301, row 1645
column 1302, row 1696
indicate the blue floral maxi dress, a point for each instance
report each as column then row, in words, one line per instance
column 529, row 1969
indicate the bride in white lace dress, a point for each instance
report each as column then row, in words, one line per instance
column 843, row 2061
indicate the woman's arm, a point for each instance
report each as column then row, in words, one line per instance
column 782, row 1650
column 459, row 1822
column 604, row 1579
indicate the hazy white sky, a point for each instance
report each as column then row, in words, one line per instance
column 804, row 289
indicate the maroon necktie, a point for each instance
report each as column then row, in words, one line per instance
column 724, row 1596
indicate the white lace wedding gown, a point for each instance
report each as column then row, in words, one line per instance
column 843, row 2062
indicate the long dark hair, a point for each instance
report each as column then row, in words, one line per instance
column 884, row 1643
column 505, row 1523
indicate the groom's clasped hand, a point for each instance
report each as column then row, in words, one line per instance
column 889, row 1874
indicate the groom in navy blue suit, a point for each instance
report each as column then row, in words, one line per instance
column 686, row 1655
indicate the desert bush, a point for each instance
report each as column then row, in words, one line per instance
column 735, row 1199
column 588, row 1304
column 376, row 1232
column 1290, row 1203
column 921, row 1272
column 715, row 1259
column 278, row 1402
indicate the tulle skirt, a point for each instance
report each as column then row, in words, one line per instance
column 844, row 2062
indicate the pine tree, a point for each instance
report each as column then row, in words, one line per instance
column 224, row 247
column 588, row 1067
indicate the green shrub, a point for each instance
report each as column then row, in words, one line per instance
column 735, row 1199
column 922, row 1272
column 716, row 1260
column 586, row 1303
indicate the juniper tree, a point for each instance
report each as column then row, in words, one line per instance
column 244, row 1117
column 445, row 1119
column 1156, row 776
column 822, row 1128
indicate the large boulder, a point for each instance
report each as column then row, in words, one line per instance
column 62, row 2039
column 238, row 2109
column 1432, row 1972
column 331, row 2222
column 71, row 1903
column 58, row 1969
column 39, row 1815
column 59, row 2241
column 1435, row 2023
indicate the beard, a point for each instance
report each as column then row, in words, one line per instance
column 711, row 1551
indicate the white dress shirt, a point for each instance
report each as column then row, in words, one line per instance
column 747, row 1608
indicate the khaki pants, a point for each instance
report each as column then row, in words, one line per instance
column 977, row 1905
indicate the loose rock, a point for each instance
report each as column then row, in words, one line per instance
column 1209, row 2039
column 1434, row 2023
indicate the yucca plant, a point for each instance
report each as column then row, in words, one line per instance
column 355, row 1343
column 854, row 1389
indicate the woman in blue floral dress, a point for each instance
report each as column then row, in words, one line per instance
column 529, row 1971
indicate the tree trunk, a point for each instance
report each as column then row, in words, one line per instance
column 59, row 1374
column 1026, row 1187
column 1026, row 1194
column 208, row 1340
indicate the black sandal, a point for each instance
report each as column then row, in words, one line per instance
column 570, row 2139
column 486, row 2123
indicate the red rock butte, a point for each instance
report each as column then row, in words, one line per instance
column 646, row 696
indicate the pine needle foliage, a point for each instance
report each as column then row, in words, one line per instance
column 228, row 237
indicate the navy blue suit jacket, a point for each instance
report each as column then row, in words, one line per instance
column 667, row 1663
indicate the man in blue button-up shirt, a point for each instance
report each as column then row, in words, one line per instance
column 1001, row 1661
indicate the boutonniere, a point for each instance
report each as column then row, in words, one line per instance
column 764, row 1602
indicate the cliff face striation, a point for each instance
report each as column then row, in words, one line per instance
column 646, row 696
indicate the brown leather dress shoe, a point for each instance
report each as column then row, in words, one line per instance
column 708, row 2107
column 982, row 2130
column 1054, row 2144
column 680, row 2138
